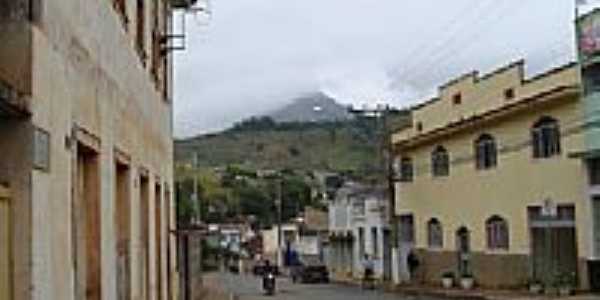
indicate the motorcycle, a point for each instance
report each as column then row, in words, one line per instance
column 269, row 283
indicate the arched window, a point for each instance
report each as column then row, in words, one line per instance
column 497, row 233
column 440, row 162
column 486, row 153
column 406, row 169
column 545, row 138
column 435, row 234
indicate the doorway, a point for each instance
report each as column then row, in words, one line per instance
column 387, row 255
column 158, row 241
column 594, row 264
column 553, row 243
column 463, row 247
column 406, row 242
column 5, row 245
column 144, row 235
column 123, row 230
column 87, row 224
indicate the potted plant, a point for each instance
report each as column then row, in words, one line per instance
column 447, row 279
column 565, row 283
column 535, row 286
column 467, row 281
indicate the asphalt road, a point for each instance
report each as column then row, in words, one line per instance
column 247, row 287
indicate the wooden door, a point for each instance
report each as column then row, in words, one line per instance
column 5, row 245
column 596, row 216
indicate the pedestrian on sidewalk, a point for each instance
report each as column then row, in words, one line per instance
column 413, row 264
column 368, row 272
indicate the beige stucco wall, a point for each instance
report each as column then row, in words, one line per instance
column 483, row 93
column 468, row 196
column 85, row 73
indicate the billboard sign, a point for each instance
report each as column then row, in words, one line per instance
column 588, row 28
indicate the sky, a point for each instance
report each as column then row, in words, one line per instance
column 250, row 57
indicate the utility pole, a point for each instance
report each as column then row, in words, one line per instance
column 382, row 113
column 279, row 218
column 195, row 197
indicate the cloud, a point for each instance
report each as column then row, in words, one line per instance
column 257, row 54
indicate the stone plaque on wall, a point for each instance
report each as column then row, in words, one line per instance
column 41, row 150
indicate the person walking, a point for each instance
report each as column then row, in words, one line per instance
column 368, row 272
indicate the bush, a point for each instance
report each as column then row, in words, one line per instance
column 448, row 274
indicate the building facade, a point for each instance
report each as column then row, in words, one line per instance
column 358, row 228
column 491, row 182
column 86, row 142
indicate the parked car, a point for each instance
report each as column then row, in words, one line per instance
column 314, row 274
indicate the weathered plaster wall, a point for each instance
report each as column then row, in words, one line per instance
column 86, row 74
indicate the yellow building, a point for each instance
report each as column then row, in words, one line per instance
column 491, row 182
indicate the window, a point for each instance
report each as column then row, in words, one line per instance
column 486, row 154
column 594, row 171
column 406, row 169
column 457, row 99
column 407, row 229
column 509, row 94
column 140, row 37
column 158, row 31
column 545, row 136
column 591, row 79
column 440, row 164
column 358, row 206
column 419, row 126
column 375, row 241
column 497, row 233
column 121, row 8
column 435, row 234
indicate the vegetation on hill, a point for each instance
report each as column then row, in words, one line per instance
column 229, row 163
column 260, row 143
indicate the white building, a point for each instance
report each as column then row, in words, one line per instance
column 358, row 227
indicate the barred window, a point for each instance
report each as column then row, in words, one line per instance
column 486, row 153
column 545, row 138
column 440, row 162
column 435, row 234
column 497, row 233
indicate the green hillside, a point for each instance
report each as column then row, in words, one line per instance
column 260, row 143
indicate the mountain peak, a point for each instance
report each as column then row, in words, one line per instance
column 312, row 107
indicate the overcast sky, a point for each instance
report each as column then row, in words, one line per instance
column 253, row 56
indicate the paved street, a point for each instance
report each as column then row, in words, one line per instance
column 247, row 287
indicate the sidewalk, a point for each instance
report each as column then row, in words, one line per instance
column 478, row 294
